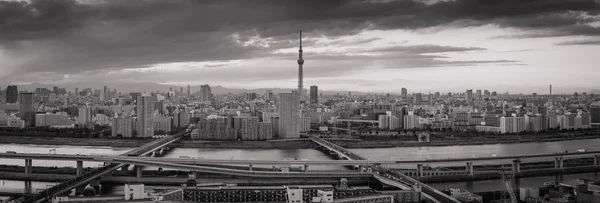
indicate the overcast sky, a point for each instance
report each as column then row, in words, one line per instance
column 368, row 45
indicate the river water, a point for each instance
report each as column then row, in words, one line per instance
column 398, row 153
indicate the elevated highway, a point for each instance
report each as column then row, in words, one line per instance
column 235, row 172
column 352, row 159
column 84, row 179
column 386, row 175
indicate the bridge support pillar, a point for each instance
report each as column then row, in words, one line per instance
column 28, row 187
column 79, row 168
column 558, row 162
column 138, row 173
column 28, row 166
column 250, row 167
column 516, row 166
column 95, row 183
column 79, row 190
column 469, row 168
column 306, row 168
column 419, row 170
column 596, row 159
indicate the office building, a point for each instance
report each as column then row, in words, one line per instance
column 289, row 115
column 268, row 95
column 159, row 106
column 123, row 127
column 404, row 93
column 189, row 93
column 27, row 108
column 205, row 93
column 85, row 115
column 469, row 95
column 594, row 113
column 250, row 96
column 12, row 94
column 145, row 125
column 479, row 95
column 418, row 98
column 314, row 94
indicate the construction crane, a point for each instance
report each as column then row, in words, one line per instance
column 508, row 180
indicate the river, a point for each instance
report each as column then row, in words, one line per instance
column 398, row 153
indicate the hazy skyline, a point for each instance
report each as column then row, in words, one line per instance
column 368, row 46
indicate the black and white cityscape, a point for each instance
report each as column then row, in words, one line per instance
column 300, row 101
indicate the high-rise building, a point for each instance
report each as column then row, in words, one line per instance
column 512, row 124
column 265, row 131
column 135, row 96
column 289, row 115
column 394, row 122
column 249, row 128
column 162, row 123
column 469, row 95
column 399, row 113
column 104, row 94
column 85, row 115
column 250, row 96
column 411, row 122
column 76, row 92
column 60, row 119
column 189, row 93
column 479, row 95
column 418, row 98
column 534, row 123
column 145, row 107
column 384, row 121
column 27, row 108
column 404, row 93
column 595, row 113
column 314, row 94
column 160, row 107
column 12, row 94
column 205, row 93
column 268, row 95
column 55, row 90
column 122, row 126
column 300, row 71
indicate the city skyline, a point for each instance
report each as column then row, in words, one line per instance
column 467, row 45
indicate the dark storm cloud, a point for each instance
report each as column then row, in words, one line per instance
column 68, row 36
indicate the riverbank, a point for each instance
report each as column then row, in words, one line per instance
column 126, row 143
column 294, row 144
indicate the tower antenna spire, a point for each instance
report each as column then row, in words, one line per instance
column 300, row 37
